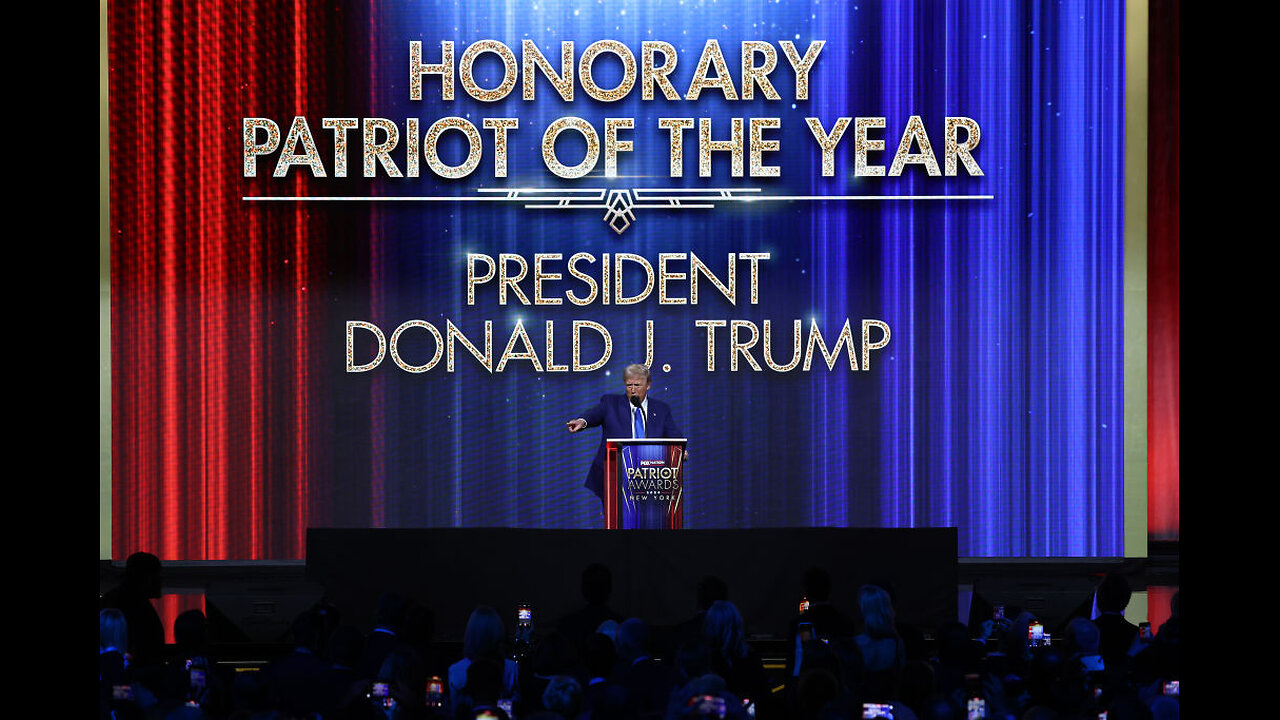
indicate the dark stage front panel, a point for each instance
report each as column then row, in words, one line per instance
column 655, row 572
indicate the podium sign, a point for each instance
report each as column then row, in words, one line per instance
column 643, row 483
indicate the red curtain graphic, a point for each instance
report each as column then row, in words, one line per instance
column 215, row 409
column 1162, row 276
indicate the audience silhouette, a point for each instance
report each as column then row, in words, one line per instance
column 593, row 664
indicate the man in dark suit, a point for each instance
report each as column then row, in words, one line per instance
column 581, row 624
column 648, row 681
column 1117, row 634
column 142, row 582
column 634, row 414
column 297, row 680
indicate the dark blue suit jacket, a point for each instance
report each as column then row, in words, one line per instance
column 613, row 413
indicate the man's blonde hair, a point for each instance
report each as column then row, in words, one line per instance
column 636, row 370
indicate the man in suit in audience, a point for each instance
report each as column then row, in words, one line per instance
column 710, row 589
column 384, row 637
column 140, row 585
column 648, row 681
column 297, row 680
column 581, row 624
column 1117, row 633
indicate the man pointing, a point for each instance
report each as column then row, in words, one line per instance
column 634, row 415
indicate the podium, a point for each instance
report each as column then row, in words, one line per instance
column 643, row 483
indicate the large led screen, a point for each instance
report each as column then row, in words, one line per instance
column 369, row 258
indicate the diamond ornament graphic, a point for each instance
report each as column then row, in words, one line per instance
column 618, row 212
